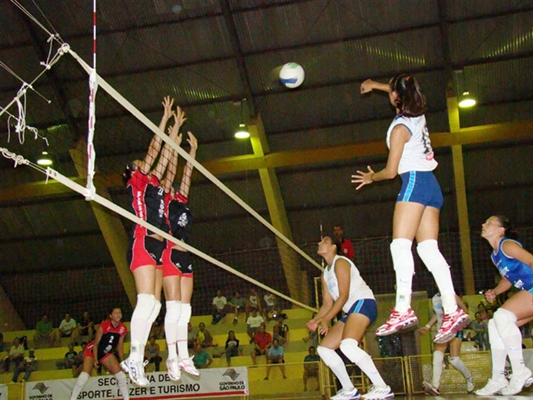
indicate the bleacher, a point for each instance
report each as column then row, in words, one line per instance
column 295, row 351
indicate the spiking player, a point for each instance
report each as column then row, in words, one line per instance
column 417, row 209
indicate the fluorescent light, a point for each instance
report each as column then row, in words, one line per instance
column 242, row 133
column 44, row 160
column 467, row 101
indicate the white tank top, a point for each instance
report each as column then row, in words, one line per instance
column 358, row 287
column 417, row 153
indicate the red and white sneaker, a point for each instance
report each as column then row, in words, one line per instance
column 396, row 322
column 187, row 365
column 451, row 324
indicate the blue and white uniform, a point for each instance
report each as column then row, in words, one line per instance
column 361, row 299
column 419, row 184
column 515, row 271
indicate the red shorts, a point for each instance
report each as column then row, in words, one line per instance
column 176, row 262
column 89, row 352
column 145, row 250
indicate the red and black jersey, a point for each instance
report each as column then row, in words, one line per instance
column 147, row 202
column 110, row 337
column 178, row 215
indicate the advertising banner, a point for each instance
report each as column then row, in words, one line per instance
column 3, row 392
column 213, row 382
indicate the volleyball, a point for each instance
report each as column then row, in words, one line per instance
column 292, row 75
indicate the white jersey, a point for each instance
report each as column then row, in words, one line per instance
column 417, row 153
column 358, row 287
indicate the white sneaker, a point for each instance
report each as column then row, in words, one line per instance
column 173, row 369
column 430, row 389
column 379, row 393
column 517, row 383
column 347, row 394
column 187, row 365
column 397, row 321
column 492, row 387
column 136, row 371
column 470, row 386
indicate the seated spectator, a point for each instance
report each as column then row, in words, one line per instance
column 28, row 365
column 311, row 367
column 262, row 342
column 158, row 328
column 238, row 304
column 281, row 331
column 69, row 359
column 15, row 355
column 220, row 307
column 68, row 328
column 151, row 353
column 44, row 333
column 191, row 336
column 479, row 327
column 203, row 337
column 252, row 302
column 232, row 347
column 201, row 358
column 78, row 362
column 270, row 308
column 253, row 323
column 275, row 355
column 86, row 326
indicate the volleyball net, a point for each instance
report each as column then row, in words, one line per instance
column 221, row 216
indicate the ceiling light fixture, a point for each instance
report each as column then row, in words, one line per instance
column 242, row 132
column 466, row 100
column 44, row 159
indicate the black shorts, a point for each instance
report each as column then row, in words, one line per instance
column 177, row 262
column 145, row 250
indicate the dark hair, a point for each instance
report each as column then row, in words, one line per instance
column 339, row 246
column 510, row 230
column 311, row 347
column 411, row 102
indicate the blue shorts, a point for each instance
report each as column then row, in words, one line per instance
column 367, row 307
column 421, row 187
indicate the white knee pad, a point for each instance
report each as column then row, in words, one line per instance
column 351, row 349
column 429, row 253
column 402, row 257
column 496, row 342
column 329, row 356
column 186, row 312
column 173, row 310
column 145, row 306
column 83, row 378
column 121, row 378
column 155, row 312
column 505, row 322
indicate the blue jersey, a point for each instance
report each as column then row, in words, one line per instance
column 515, row 271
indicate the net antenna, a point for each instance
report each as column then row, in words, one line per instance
column 93, row 87
column 322, row 262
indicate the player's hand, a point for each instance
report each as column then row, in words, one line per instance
column 192, row 141
column 422, row 330
column 363, row 178
column 167, row 107
column 490, row 295
column 366, row 86
column 323, row 326
column 179, row 117
column 312, row 325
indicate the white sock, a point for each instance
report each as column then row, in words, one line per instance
column 335, row 363
column 438, row 358
column 360, row 358
column 404, row 266
column 171, row 327
column 82, row 380
column 185, row 317
column 498, row 353
column 460, row 366
column 429, row 253
column 512, row 338
column 139, row 322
